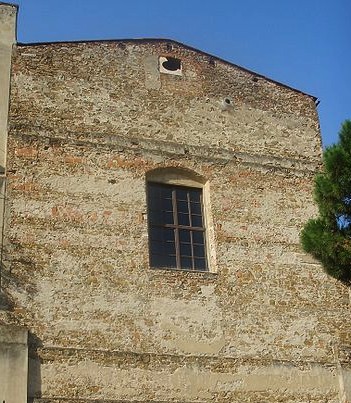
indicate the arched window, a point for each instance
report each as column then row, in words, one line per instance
column 178, row 220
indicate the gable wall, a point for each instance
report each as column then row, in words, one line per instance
column 88, row 121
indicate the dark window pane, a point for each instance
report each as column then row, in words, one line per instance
column 195, row 208
column 155, row 204
column 185, row 249
column 182, row 194
column 162, row 248
column 196, row 220
column 170, row 248
column 199, row 251
column 198, row 237
column 166, row 204
column 161, row 234
column 156, row 234
column 165, row 192
column 155, row 217
column 163, row 261
column 167, row 217
column 195, row 195
column 200, row 264
column 154, row 192
column 184, row 235
column 169, row 261
column 186, row 263
column 183, row 219
column 168, row 234
column 157, row 247
column 182, row 206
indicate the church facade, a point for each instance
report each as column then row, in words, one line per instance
column 152, row 200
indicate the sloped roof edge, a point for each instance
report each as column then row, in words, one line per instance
column 2, row 3
column 165, row 40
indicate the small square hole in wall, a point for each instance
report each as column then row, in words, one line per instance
column 170, row 65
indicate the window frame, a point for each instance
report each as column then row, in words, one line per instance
column 183, row 176
column 198, row 255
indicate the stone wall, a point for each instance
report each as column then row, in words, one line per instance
column 88, row 121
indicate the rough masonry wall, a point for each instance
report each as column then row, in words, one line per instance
column 95, row 90
column 88, row 121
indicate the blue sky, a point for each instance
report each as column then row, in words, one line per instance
column 302, row 43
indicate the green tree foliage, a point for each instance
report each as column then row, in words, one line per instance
column 328, row 237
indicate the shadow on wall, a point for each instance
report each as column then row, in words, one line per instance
column 34, row 367
column 21, row 281
column 6, row 304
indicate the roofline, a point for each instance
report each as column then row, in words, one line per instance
column 141, row 40
column 2, row 3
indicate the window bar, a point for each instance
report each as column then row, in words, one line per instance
column 190, row 232
column 203, row 226
column 176, row 229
